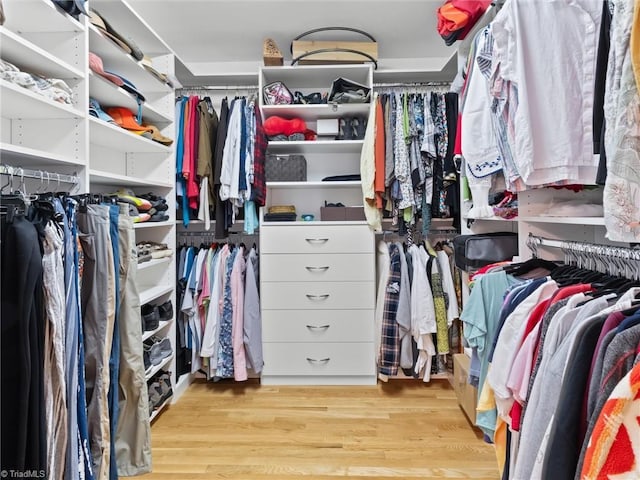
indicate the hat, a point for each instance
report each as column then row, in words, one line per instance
column 125, row 118
column 95, row 64
column 148, row 66
column 124, row 43
column 96, row 110
column 157, row 135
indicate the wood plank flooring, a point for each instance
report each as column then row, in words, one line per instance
column 403, row 429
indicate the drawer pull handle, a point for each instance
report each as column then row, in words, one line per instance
column 317, row 297
column 321, row 361
column 318, row 327
column 317, row 240
column 317, row 269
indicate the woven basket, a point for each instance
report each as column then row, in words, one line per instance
column 285, row 168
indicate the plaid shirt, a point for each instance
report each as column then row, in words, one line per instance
column 390, row 344
column 259, row 189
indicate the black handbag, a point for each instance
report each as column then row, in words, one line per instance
column 472, row 252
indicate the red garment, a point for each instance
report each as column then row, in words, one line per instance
column 534, row 318
column 475, row 9
column 460, row 15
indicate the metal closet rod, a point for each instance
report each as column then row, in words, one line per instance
column 255, row 87
column 38, row 174
column 534, row 241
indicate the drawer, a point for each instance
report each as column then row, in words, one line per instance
column 317, row 295
column 317, row 325
column 330, row 267
column 316, row 239
column 318, row 359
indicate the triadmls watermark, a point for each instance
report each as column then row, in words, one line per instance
column 22, row 474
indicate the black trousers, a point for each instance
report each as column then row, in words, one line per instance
column 22, row 410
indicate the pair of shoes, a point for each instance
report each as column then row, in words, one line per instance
column 152, row 250
column 160, row 390
column 146, row 357
column 159, row 349
column 351, row 128
column 150, row 317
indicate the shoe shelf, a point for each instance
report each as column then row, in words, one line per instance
column 121, row 140
column 150, row 293
column 31, row 58
column 313, row 112
column 110, row 95
column 317, row 146
column 161, row 326
column 154, row 263
column 168, row 223
column 159, row 408
column 121, row 63
column 349, row 184
column 17, row 154
column 40, row 16
column 99, row 177
column 20, row 103
column 163, row 365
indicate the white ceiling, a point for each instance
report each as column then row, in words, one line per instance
column 220, row 42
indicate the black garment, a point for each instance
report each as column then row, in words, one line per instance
column 599, row 91
column 21, row 386
column 565, row 442
column 221, row 137
column 451, row 175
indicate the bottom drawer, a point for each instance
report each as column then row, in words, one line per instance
column 318, row 359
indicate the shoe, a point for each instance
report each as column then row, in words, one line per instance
column 165, row 310
column 146, row 357
column 151, row 317
column 155, row 397
column 344, row 133
column 161, row 349
column 164, row 381
column 358, row 128
column 155, row 352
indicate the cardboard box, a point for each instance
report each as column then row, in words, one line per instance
column 466, row 394
column 327, row 127
column 341, row 214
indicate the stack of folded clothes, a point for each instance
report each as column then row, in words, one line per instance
column 51, row 88
column 146, row 207
column 152, row 250
column 281, row 213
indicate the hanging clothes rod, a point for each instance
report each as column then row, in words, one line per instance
column 411, row 84
column 20, row 172
column 534, row 241
column 204, row 88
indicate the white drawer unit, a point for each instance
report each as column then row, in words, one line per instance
column 317, row 295
column 306, row 326
column 330, row 267
column 313, row 239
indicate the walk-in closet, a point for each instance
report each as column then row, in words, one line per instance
column 259, row 239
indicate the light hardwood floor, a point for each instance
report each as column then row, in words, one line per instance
column 403, row 429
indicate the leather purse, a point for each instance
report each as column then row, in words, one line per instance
column 285, row 168
column 472, row 252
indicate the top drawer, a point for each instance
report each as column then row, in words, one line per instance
column 316, row 239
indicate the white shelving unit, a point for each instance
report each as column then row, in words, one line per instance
column 161, row 327
column 121, row 159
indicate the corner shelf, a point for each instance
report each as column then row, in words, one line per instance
column 149, row 294
column 25, row 15
column 98, row 177
column 161, row 366
column 161, row 326
column 29, row 57
column 121, row 140
column 154, row 263
column 18, row 102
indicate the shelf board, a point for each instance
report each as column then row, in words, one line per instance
column 168, row 223
column 314, row 222
column 492, row 219
column 318, row 77
column 133, row 25
column 40, row 16
column 151, row 293
column 110, row 95
column 165, row 362
column 161, row 326
column 30, row 57
column 121, row 140
column 313, row 112
column 118, row 61
column 159, row 409
column 18, row 102
column 31, row 156
column 292, row 185
column 318, row 146
column 99, row 177
column 154, row 262
column 565, row 220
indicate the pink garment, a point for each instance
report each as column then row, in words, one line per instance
column 237, row 326
column 187, row 139
column 193, row 189
column 518, row 381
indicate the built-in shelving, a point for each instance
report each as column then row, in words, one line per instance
column 564, row 220
column 317, row 146
column 149, row 294
column 98, row 177
column 16, row 154
column 154, row 263
column 168, row 223
column 121, row 140
column 155, row 331
column 349, row 184
column 20, row 103
column 161, row 366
